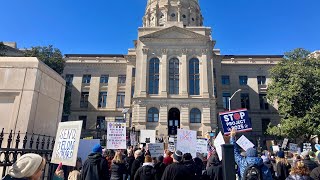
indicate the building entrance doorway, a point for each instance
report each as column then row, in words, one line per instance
column 173, row 121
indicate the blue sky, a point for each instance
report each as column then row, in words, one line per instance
column 109, row 27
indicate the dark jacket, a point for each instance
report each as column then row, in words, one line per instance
column 191, row 167
column 282, row 171
column 199, row 167
column 213, row 173
column 95, row 168
column 129, row 162
column 146, row 172
column 270, row 167
column 310, row 164
column 137, row 163
column 177, row 171
column 298, row 177
column 8, row 177
column 117, row 171
column 315, row 174
column 159, row 167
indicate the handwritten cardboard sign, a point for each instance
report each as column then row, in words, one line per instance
column 187, row 141
column 202, row 146
column 245, row 143
column 116, row 135
column 156, row 149
column 66, row 145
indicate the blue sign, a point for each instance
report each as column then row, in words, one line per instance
column 238, row 119
column 317, row 147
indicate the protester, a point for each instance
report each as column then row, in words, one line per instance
column 28, row 166
column 154, row 160
column 146, row 172
column 307, row 161
column 315, row 174
column 214, row 171
column 75, row 174
column 299, row 172
column 129, row 160
column 159, row 167
column 167, row 158
column 188, row 162
column 282, row 166
column 118, row 168
column 252, row 159
column 95, row 167
column 199, row 164
column 109, row 157
column 137, row 163
column 177, row 170
column 267, row 162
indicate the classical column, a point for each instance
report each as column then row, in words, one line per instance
column 163, row 74
column 144, row 73
column 184, row 116
column 163, row 119
column 183, row 84
column 206, row 119
column 204, row 75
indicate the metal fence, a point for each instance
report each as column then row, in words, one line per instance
column 13, row 145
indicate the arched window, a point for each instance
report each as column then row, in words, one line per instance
column 195, row 116
column 153, row 115
column 194, row 77
column 154, row 76
column 174, row 76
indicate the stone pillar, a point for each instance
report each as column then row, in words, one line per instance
column 184, row 116
column 164, row 74
column 206, row 119
column 163, row 119
column 127, row 102
column 94, row 92
column 144, row 73
column 183, row 81
column 204, row 75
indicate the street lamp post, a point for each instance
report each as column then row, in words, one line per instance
column 232, row 97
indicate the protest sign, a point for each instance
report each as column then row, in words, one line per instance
column 66, row 145
column 116, row 135
column 147, row 136
column 187, row 141
column 202, row 146
column 238, row 119
column 171, row 146
column 156, row 149
column 317, row 147
column 293, row 147
column 245, row 143
column 307, row 147
column 285, row 143
column 218, row 142
column 133, row 139
column 85, row 148
column 275, row 149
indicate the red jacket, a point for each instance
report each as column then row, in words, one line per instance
column 168, row 160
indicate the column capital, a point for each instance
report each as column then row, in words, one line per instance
column 184, row 51
column 164, row 51
column 145, row 51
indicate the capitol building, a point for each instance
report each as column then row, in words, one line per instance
column 172, row 77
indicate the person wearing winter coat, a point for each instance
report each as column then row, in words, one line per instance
column 159, row 167
column 189, row 163
column 282, row 166
column 307, row 161
column 199, row 164
column 129, row 161
column 214, row 171
column 299, row 172
column 250, row 159
column 118, row 167
column 146, row 172
column 167, row 158
column 27, row 167
column 95, row 167
column 137, row 163
column 315, row 174
column 267, row 162
column 177, row 170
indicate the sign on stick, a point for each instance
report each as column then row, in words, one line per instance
column 238, row 119
column 116, row 135
column 187, row 141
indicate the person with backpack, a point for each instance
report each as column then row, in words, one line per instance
column 137, row 163
column 315, row 174
column 118, row 168
column 146, row 172
column 251, row 166
column 95, row 167
column 159, row 167
column 129, row 161
column 214, row 171
column 307, row 161
column 282, row 166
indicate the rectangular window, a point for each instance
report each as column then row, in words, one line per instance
column 104, row 79
column 86, row 78
column 132, row 91
column 243, row 80
column 263, row 102
column 225, row 100
column 261, row 80
column 69, row 79
column 122, row 79
column 245, row 101
column 265, row 123
column 84, row 99
column 120, row 99
column 84, row 123
column 102, row 99
column 101, row 122
column 133, row 72
column 119, row 119
column 225, row 80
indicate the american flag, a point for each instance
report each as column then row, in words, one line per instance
column 210, row 149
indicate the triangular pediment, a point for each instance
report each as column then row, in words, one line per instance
column 174, row 32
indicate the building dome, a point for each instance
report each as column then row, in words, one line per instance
column 172, row 12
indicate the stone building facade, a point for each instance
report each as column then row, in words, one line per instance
column 172, row 78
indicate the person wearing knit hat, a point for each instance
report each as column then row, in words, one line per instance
column 28, row 166
column 146, row 171
column 214, row 171
column 177, row 170
column 282, row 166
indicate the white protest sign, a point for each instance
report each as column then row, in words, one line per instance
column 187, row 141
column 116, row 135
column 171, row 145
column 156, row 149
column 245, row 143
column 275, row 149
column 202, row 146
column 133, row 139
column 293, row 147
column 307, row 147
column 218, row 142
column 285, row 143
column 148, row 135
column 85, row 148
column 67, row 142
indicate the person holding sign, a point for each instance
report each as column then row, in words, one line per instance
column 251, row 165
